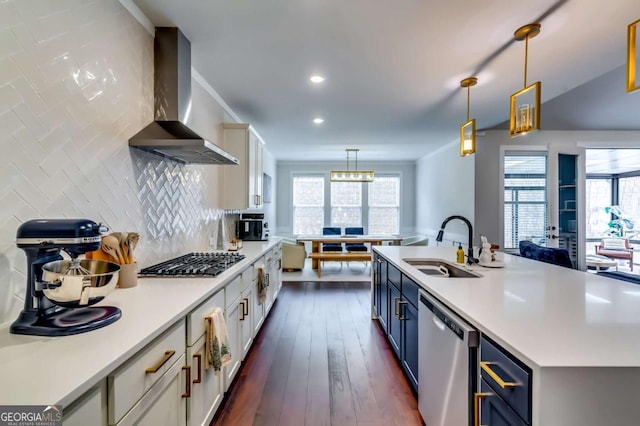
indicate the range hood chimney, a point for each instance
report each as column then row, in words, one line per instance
column 168, row 135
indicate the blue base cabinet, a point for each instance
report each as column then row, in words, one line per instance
column 398, row 314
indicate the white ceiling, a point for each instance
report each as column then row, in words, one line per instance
column 393, row 68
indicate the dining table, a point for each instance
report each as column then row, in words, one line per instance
column 318, row 240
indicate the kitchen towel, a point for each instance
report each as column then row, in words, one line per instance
column 262, row 285
column 217, row 352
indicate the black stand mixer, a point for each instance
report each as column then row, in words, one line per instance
column 60, row 291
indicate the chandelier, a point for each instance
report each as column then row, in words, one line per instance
column 352, row 175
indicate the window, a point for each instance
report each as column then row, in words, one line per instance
column 629, row 202
column 384, row 205
column 598, row 197
column 525, row 198
column 308, row 205
column 346, row 204
column 375, row 206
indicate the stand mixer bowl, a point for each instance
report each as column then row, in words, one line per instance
column 78, row 283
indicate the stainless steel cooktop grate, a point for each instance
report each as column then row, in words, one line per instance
column 193, row 265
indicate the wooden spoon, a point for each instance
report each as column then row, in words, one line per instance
column 111, row 245
column 132, row 241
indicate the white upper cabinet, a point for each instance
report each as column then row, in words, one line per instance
column 242, row 183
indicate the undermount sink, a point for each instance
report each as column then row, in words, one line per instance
column 440, row 268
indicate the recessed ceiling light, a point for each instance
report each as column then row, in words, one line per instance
column 317, row 79
column 318, row 120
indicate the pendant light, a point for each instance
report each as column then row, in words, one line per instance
column 633, row 82
column 352, row 175
column 468, row 129
column 524, row 111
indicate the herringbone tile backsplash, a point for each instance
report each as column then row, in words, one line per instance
column 76, row 81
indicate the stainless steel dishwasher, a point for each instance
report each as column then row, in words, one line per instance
column 447, row 366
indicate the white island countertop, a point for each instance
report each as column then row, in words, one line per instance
column 547, row 315
column 57, row 370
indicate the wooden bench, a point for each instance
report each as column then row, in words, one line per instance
column 339, row 257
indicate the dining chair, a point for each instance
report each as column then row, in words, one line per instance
column 331, row 230
column 354, row 230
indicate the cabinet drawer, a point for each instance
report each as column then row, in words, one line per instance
column 233, row 290
column 410, row 290
column 393, row 275
column 195, row 320
column 494, row 411
column 129, row 382
column 165, row 403
column 496, row 366
column 257, row 264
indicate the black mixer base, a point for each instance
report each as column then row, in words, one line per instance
column 66, row 322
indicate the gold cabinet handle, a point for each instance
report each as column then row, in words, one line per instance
column 396, row 302
column 476, row 406
column 401, row 316
column 198, row 358
column 486, row 367
column 168, row 354
column 187, row 394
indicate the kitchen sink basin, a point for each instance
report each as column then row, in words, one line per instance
column 440, row 268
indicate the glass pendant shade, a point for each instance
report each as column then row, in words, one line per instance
column 525, row 110
column 468, row 129
column 352, row 175
column 524, row 106
column 468, row 138
column 633, row 40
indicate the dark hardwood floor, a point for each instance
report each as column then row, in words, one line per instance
column 320, row 360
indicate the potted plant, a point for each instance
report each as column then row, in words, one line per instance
column 619, row 224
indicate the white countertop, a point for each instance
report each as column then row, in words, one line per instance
column 547, row 315
column 57, row 370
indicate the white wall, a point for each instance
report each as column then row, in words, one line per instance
column 285, row 170
column 445, row 187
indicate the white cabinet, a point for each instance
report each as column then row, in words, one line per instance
column 273, row 261
column 89, row 409
column 207, row 388
column 257, row 306
column 243, row 182
column 166, row 382
column 166, row 401
column 246, row 322
column 132, row 383
column 233, row 314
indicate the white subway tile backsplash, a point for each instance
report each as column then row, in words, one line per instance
column 8, row 44
column 80, row 83
column 8, row 71
column 31, row 98
column 10, row 98
column 31, row 123
column 10, row 123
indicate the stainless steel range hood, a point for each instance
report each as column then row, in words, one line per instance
column 168, row 135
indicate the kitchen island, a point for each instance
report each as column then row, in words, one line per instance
column 578, row 333
column 58, row 370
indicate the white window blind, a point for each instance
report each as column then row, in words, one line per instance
column 346, row 204
column 308, row 205
column 525, row 198
column 384, row 205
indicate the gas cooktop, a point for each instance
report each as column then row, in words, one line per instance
column 193, row 265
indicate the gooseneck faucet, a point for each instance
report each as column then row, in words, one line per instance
column 470, row 259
